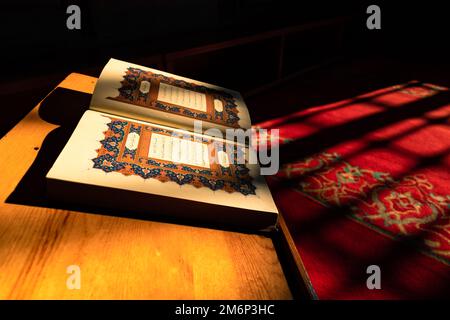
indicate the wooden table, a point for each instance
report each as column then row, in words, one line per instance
column 119, row 258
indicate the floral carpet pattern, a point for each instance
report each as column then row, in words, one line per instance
column 403, row 208
column 366, row 180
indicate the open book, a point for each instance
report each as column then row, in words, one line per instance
column 136, row 149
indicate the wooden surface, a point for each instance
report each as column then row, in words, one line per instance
column 120, row 258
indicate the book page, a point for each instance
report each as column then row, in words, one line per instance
column 182, row 97
column 119, row 152
column 142, row 93
column 178, row 150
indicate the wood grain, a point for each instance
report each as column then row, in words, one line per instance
column 120, row 258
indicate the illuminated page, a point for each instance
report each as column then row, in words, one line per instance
column 146, row 94
column 178, row 150
column 124, row 153
column 183, row 97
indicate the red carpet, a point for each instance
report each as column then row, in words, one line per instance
column 367, row 181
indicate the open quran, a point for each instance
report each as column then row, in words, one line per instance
column 136, row 149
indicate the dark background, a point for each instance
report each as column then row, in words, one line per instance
column 39, row 51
